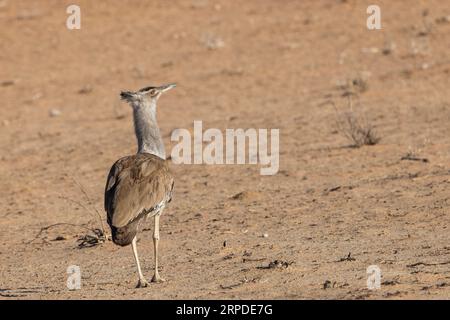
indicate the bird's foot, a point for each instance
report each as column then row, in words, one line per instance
column 142, row 283
column 156, row 278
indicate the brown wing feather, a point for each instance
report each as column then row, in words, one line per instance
column 135, row 185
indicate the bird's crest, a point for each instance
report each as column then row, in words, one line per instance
column 153, row 92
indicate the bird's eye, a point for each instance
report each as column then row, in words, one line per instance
column 152, row 92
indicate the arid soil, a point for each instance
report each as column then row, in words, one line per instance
column 310, row 231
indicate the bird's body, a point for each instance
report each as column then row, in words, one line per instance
column 139, row 186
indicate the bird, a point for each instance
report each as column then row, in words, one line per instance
column 140, row 186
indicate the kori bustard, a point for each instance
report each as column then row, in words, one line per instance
column 139, row 186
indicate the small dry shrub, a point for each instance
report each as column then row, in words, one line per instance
column 355, row 126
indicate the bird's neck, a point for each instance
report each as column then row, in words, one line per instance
column 147, row 131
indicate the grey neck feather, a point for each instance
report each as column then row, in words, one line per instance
column 146, row 128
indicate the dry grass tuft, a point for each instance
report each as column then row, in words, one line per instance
column 355, row 126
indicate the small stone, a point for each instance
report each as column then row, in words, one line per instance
column 265, row 235
column 7, row 83
column 445, row 19
column 85, row 89
column 247, row 195
column 229, row 256
column 212, row 42
column 167, row 64
column 36, row 96
column 54, row 113
column 327, row 284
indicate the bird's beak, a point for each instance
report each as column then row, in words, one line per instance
column 167, row 87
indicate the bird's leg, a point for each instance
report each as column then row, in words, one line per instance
column 142, row 282
column 156, row 277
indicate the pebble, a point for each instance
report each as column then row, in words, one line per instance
column 85, row 89
column 54, row 112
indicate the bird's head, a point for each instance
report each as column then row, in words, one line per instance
column 151, row 94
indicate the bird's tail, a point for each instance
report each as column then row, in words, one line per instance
column 123, row 236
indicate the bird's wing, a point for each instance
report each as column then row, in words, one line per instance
column 135, row 186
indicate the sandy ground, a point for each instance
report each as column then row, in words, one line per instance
column 329, row 213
